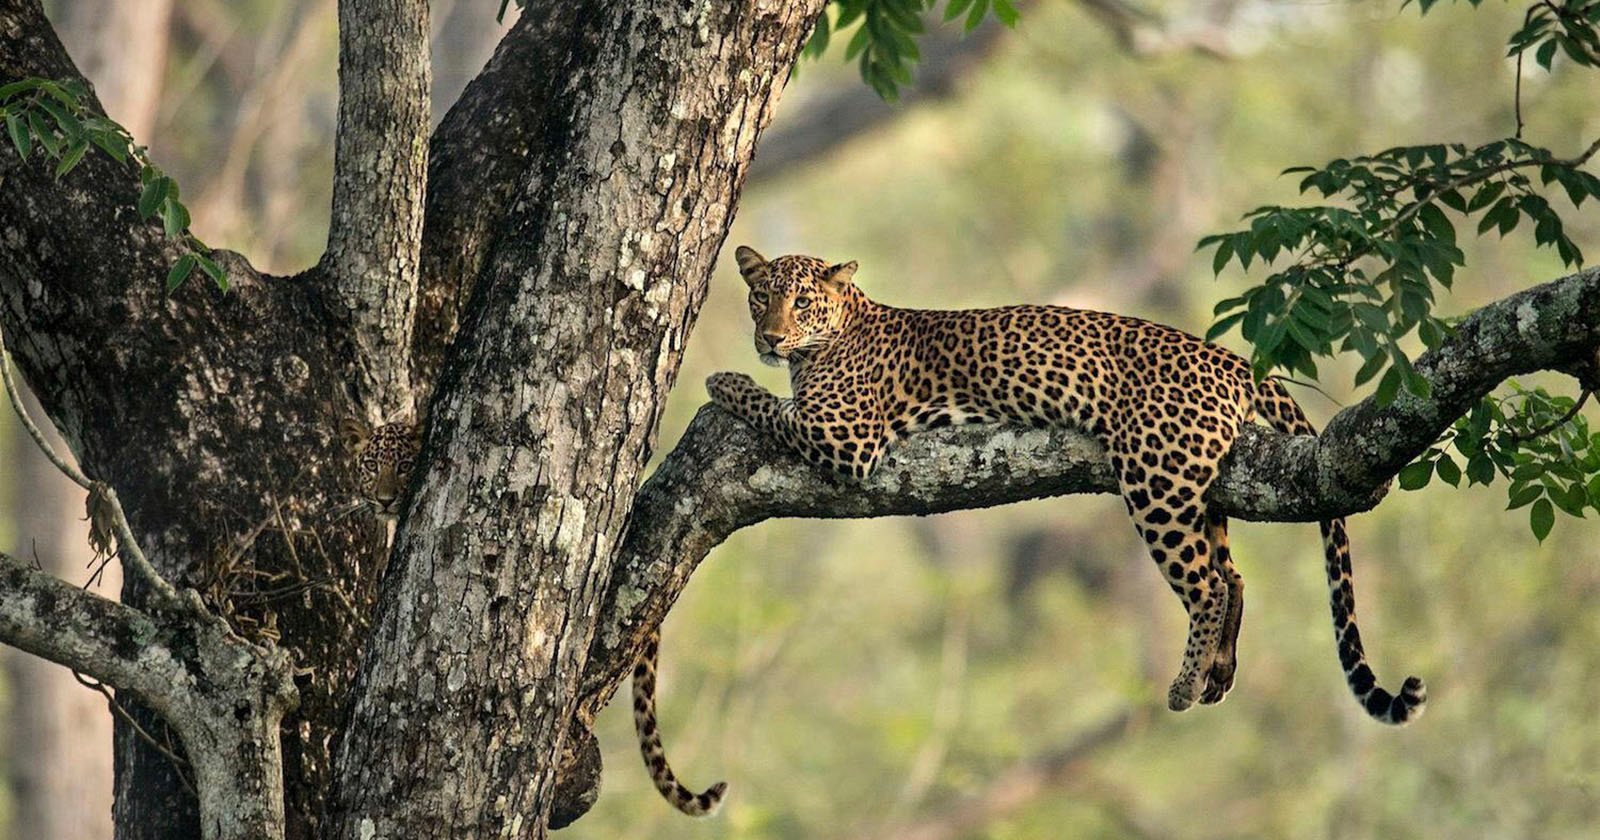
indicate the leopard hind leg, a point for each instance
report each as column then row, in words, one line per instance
column 1219, row 680
column 1169, row 513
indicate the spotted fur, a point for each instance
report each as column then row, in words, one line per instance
column 384, row 458
column 701, row 804
column 1165, row 404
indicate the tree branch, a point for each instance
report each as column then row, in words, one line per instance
column 370, row 271
column 224, row 696
column 477, row 159
column 722, row 476
column 570, row 343
column 52, row 619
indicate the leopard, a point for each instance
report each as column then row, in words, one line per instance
column 1165, row 405
column 384, row 457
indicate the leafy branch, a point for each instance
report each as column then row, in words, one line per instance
column 884, row 43
column 54, row 118
column 1361, row 272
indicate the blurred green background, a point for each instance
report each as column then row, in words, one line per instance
column 999, row 674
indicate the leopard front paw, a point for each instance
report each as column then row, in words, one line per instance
column 732, row 391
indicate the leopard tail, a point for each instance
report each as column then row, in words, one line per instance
column 655, row 758
column 1274, row 405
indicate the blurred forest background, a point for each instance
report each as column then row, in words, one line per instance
column 992, row 674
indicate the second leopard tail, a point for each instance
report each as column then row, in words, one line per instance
column 655, row 758
column 1274, row 405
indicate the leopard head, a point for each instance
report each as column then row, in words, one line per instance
column 384, row 457
column 799, row 304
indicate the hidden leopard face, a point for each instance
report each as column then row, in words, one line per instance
column 384, row 459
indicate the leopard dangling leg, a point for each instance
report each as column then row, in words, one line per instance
column 1171, row 518
column 1219, row 680
column 655, row 758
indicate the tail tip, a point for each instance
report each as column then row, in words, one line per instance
column 1399, row 709
column 709, row 802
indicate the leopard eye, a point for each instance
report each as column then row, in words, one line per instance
column 758, row 298
column 802, row 302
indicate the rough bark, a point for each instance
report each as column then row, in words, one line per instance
column 369, row 272
column 477, row 162
column 570, row 345
column 213, row 415
column 63, row 790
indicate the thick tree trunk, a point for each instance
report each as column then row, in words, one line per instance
column 571, row 343
column 213, row 415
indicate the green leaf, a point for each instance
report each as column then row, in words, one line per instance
column 154, row 193
column 1480, row 469
column 1435, row 222
column 174, row 218
column 43, row 133
column 70, row 126
column 1388, row 386
column 180, row 271
column 1448, row 472
column 71, row 158
column 19, row 135
column 1220, row 259
column 1223, row 325
column 857, row 44
column 12, row 89
column 1373, row 364
column 1006, row 13
column 955, row 8
column 1524, row 496
column 111, row 144
column 1541, row 519
column 975, row 17
column 214, row 271
column 1415, row 476
column 1572, row 500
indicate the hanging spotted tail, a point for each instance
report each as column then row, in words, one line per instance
column 1274, row 405
column 655, row 758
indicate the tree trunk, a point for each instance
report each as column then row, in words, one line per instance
column 572, row 340
column 61, row 732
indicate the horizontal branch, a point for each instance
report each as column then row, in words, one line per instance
column 52, row 619
column 722, row 476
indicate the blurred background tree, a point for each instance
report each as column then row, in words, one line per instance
column 989, row 674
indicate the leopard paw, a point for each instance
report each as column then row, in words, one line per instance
column 1219, row 681
column 729, row 389
column 1182, row 693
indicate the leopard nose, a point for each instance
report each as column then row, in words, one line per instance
column 772, row 339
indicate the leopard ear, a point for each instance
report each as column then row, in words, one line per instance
column 752, row 266
column 840, row 275
column 354, row 433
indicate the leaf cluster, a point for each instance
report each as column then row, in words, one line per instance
column 53, row 118
column 1362, row 276
column 1361, row 270
column 1535, row 440
column 884, row 41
